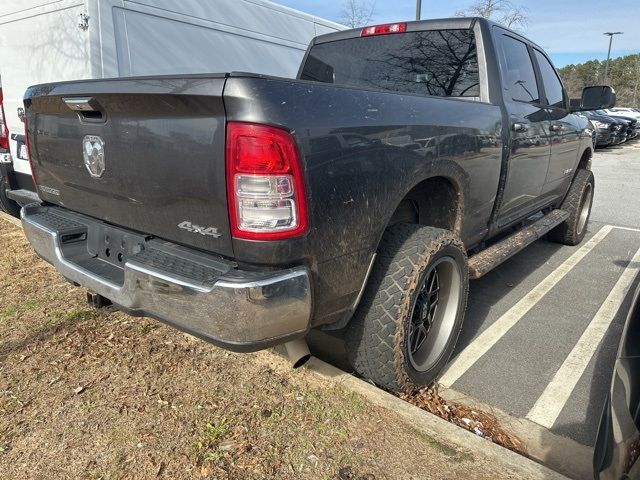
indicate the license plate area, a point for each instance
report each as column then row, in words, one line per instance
column 114, row 245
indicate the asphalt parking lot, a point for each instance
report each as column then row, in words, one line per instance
column 542, row 330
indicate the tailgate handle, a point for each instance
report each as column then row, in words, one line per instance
column 87, row 108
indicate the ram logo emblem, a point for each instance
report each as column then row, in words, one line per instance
column 93, row 153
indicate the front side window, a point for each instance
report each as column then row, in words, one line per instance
column 517, row 71
column 552, row 85
column 431, row 62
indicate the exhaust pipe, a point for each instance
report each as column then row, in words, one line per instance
column 298, row 352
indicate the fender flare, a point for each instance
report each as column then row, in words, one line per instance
column 447, row 169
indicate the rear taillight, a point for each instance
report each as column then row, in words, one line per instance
column 386, row 29
column 4, row 130
column 266, row 193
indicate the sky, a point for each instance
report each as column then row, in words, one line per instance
column 571, row 31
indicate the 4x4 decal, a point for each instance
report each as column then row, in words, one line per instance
column 190, row 227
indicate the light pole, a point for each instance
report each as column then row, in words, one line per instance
column 606, row 68
column 418, row 9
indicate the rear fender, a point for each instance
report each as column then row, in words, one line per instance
column 446, row 169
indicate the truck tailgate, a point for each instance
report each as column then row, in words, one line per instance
column 143, row 153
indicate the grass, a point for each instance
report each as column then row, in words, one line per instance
column 86, row 405
column 148, row 327
column 8, row 313
column 9, row 402
column 13, row 310
column 58, row 318
column 28, row 304
column 447, row 450
column 78, row 315
column 206, row 448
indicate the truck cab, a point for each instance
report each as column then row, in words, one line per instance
column 546, row 138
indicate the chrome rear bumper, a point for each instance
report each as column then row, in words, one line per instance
column 205, row 295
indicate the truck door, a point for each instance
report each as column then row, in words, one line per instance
column 564, row 129
column 528, row 128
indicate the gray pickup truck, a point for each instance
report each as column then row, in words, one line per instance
column 403, row 161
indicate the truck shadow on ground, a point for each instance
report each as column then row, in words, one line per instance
column 487, row 293
column 40, row 335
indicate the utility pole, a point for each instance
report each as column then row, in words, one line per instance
column 418, row 9
column 606, row 68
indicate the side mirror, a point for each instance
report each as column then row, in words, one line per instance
column 598, row 97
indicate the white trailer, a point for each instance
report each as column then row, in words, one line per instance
column 44, row 41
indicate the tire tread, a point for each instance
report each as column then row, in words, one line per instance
column 374, row 335
column 566, row 233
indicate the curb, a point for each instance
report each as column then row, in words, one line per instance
column 435, row 426
column 558, row 453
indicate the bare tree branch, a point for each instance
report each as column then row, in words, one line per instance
column 357, row 13
column 502, row 11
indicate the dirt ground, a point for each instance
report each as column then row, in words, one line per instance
column 90, row 394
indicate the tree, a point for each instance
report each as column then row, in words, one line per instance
column 624, row 77
column 357, row 13
column 502, row 11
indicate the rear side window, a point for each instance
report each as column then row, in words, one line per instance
column 433, row 62
column 552, row 85
column 517, row 70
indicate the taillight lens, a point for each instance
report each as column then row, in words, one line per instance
column 4, row 130
column 265, row 184
column 386, row 29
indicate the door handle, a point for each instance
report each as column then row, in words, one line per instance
column 556, row 127
column 519, row 127
column 81, row 104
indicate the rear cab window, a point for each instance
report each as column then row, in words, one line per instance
column 432, row 62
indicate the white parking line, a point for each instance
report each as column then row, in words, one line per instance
column 548, row 407
column 631, row 229
column 487, row 339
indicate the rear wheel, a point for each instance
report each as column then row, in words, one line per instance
column 408, row 322
column 578, row 203
column 6, row 204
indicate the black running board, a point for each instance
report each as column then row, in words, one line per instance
column 485, row 261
